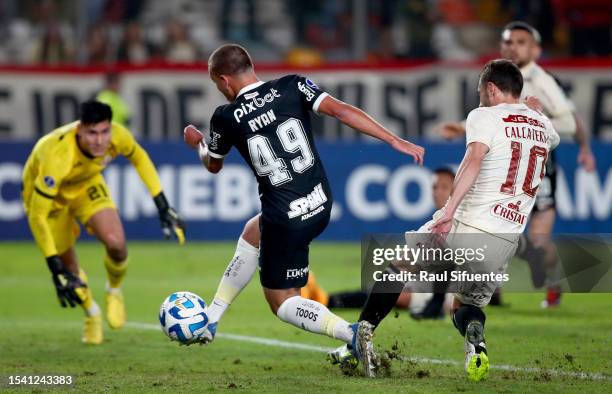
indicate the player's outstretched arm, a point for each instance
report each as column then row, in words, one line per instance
column 466, row 176
column 451, row 130
column 38, row 219
column 585, row 155
column 195, row 139
column 171, row 223
column 64, row 281
column 361, row 121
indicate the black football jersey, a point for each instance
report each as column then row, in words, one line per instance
column 269, row 124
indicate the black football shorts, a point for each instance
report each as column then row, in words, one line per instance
column 283, row 252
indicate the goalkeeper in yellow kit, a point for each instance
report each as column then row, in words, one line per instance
column 63, row 184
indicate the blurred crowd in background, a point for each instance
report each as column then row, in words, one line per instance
column 103, row 32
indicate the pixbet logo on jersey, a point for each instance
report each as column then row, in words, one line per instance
column 255, row 103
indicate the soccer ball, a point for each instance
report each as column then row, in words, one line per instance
column 183, row 317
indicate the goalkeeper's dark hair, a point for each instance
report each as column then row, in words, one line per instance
column 505, row 75
column 229, row 59
column 93, row 112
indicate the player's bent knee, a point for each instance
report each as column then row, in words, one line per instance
column 118, row 255
column 250, row 233
column 275, row 303
column 116, row 247
column 276, row 297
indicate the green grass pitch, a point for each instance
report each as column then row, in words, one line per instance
column 531, row 350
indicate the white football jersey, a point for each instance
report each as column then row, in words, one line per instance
column 558, row 108
column 519, row 141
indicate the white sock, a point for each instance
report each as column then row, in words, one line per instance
column 238, row 274
column 93, row 310
column 113, row 290
column 314, row 317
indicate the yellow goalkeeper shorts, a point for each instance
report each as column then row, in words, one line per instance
column 63, row 219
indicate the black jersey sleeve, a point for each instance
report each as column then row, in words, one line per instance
column 309, row 93
column 220, row 140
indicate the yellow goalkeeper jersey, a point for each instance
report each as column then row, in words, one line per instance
column 57, row 171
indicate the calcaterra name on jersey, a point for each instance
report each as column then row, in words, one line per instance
column 525, row 132
column 262, row 120
column 308, row 206
column 254, row 103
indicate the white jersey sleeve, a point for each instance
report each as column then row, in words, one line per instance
column 478, row 127
column 557, row 105
column 554, row 137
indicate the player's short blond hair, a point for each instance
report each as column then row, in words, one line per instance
column 229, row 59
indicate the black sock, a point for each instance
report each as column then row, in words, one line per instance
column 382, row 299
column 467, row 314
column 348, row 299
column 434, row 306
column 496, row 298
column 535, row 259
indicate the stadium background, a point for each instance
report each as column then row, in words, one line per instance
column 411, row 64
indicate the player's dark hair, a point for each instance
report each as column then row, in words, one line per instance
column 519, row 25
column 444, row 171
column 93, row 112
column 229, row 59
column 504, row 74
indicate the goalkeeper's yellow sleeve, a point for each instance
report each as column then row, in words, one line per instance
column 145, row 168
column 38, row 212
column 45, row 169
column 128, row 147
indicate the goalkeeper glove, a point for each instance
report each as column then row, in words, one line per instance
column 171, row 223
column 65, row 282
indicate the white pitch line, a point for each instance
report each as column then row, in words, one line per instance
column 321, row 349
column 245, row 338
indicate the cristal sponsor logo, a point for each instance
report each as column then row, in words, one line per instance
column 254, row 103
column 294, row 273
column 308, row 92
column 511, row 212
column 311, row 203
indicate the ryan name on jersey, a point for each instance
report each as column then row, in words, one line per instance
column 262, row 120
